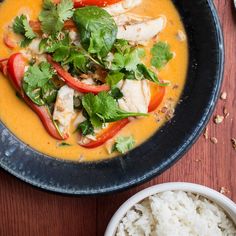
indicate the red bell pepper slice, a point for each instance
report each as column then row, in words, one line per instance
column 74, row 82
column 16, row 69
column 108, row 134
column 157, row 95
column 99, row 3
column 9, row 41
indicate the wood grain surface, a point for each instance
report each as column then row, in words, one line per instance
column 25, row 211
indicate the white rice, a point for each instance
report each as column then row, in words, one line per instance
column 176, row 213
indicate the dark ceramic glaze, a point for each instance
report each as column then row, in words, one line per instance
column 162, row 150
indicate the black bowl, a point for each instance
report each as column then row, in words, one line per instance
column 162, row 150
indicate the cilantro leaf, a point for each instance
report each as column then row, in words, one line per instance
column 37, row 84
column 53, row 16
column 150, row 75
column 124, row 144
column 65, row 10
column 86, row 128
column 18, row 26
column 49, row 92
column 54, row 42
column 64, row 144
column 21, row 26
column 61, row 53
column 126, row 60
column 113, row 78
column 103, row 108
column 161, row 55
column 25, row 42
column 116, row 93
column 29, row 33
column 78, row 60
column 97, row 28
column 122, row 46
column 65, row 53
column 133, row 59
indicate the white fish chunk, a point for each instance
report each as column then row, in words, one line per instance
column 137, row 95
column 122, row 7
column 64, row 108
column 130, row 19
column 141, row 32
column 79, row 119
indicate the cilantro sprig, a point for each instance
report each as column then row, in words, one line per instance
column 124, row 144
column 37, row 84
column 103, row 108
column 53, row 16
column 22, row 27
column 65, row 52
column 127, row 64
column 161, row 54
column 86, row 128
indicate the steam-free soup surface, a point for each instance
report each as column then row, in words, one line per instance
column 25, row 124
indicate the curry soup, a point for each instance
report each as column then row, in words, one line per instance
column 25, row 124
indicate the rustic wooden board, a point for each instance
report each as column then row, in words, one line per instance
column 28, row 211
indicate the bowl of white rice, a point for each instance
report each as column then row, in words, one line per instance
column 175, row 209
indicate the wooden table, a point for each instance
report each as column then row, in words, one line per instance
column 28, row 211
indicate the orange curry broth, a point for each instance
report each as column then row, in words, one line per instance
column 25, row 124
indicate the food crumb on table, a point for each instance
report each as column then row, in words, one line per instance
column 223, row 96
column 218, row 119
column 233, row 140
column 214, row 140
column 225, row 112
column 206, row 135
column 224, row 190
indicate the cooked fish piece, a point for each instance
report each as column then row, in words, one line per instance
column 122, row 7
column 137, row 95
column 141, row 32
column 130, row 19
column 64, row 108
column 79, row 119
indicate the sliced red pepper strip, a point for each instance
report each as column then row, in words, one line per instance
column 99, row 3
column 9, row 41
column 74, row 82
column 16, row 69
column 109, row 133
column 157, row 95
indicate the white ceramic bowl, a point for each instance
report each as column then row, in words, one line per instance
column 224, row 202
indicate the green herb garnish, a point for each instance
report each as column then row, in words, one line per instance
column 97, row 29
column 64, row 144
column 53, row 16
column 116, row 93
column 86, row 128
column 161, row 55
column 113, row 78
column 21, row 26
column 124, row 144
column 103, row 108
column 38, row 85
